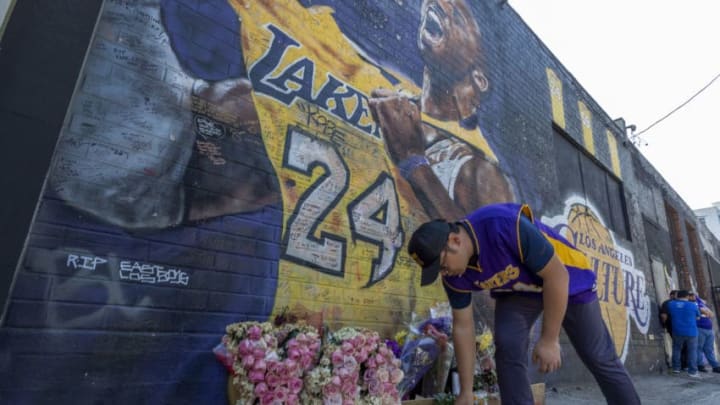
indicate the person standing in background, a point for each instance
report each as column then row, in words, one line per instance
column 706, row 337
column 666, row 323
column 684, row 315
column 665, row 320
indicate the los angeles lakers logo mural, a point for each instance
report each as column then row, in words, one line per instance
column 621, row 288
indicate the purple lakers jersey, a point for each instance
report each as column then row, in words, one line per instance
column 500, row 265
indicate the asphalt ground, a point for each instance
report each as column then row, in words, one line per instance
column 655, row 388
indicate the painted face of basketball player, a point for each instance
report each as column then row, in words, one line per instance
column 448, row 32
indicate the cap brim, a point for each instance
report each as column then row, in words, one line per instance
column 430, row 273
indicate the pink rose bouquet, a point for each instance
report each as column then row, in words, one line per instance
column 356, row 367
column 269, row 363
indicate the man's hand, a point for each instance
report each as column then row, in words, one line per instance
column 555, row 296
column 399, row 119
column 465, row 398
column 547, row 355
column 464, row 341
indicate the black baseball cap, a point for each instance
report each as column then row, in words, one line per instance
column 426, row 245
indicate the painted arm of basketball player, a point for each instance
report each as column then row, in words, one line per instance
column 233, row 173
column 479, row 182
column 229, row 171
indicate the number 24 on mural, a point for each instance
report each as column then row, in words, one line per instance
column 374, row 216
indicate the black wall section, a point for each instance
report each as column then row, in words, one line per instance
column 41, row 53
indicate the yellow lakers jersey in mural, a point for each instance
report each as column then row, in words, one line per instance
column 343, row 233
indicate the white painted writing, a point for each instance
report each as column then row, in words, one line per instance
column 83, row 262
column 151, row 273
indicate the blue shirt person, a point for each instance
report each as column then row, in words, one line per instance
column 706, row 337
column 684, row 315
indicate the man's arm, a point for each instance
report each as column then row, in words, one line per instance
column 464, row 342
column 664, row 315
column 555, row 296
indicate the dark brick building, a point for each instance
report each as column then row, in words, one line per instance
column 173, row 166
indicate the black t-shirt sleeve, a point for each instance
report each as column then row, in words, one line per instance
column 537, row 250
column 457, row 299
column 205, row 37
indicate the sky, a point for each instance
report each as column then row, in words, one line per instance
column 639, row 60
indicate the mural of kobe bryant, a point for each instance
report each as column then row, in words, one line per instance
column 189, row 145
column 435, row 139
column 450, row 45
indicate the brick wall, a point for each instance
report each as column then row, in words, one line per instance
column 220, row 162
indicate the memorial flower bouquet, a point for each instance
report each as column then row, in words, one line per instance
column 269, row 362
column 485, row 376
column 356, row 367
column 427, row 351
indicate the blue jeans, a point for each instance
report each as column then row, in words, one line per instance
column 583, row 324
column 691, row 342
column 705, row 346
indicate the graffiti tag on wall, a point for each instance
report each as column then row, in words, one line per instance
column 131, row 270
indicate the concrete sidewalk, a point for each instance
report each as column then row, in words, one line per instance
column 653, row 389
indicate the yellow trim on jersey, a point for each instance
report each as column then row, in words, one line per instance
column 477, row 244
column 524, row 210
column 568, row 255
column 473, row 136
column 517, row 235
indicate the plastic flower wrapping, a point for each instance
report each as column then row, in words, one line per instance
column 356, row 367
column 427, row 351
column 485, row 376
column 269, row 362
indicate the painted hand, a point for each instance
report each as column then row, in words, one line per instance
column 399, row 119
